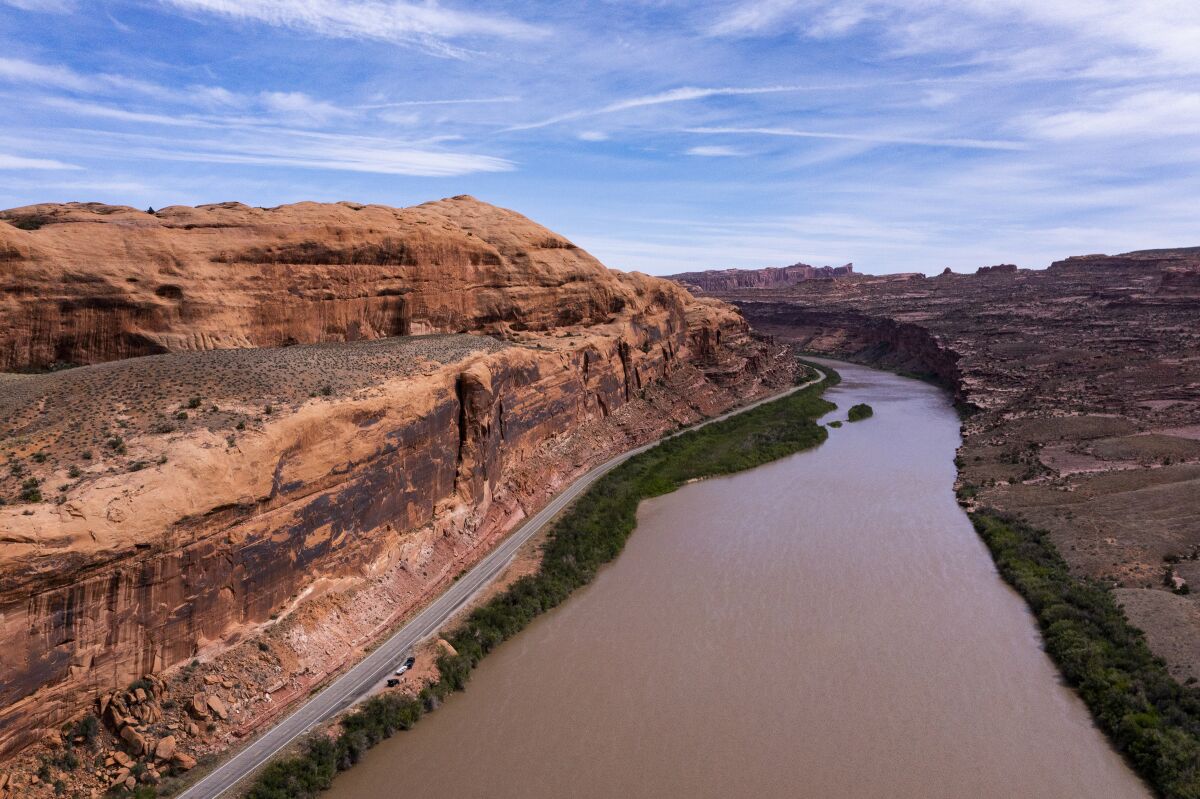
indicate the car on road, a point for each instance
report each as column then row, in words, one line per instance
column 405, row 666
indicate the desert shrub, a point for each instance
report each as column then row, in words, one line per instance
column 1150, row 718
column 31, row 490
column 859, row 412
column 193, row 403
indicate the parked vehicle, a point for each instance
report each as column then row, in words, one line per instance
column 392, row 682
column 408, row 664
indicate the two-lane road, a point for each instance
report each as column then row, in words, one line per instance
column 375, row 667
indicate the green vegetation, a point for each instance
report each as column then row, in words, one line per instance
column 591, row 533
column 31, row 490
column 1152, row 719
column 859, row 412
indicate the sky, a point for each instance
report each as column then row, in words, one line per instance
column 660, row 135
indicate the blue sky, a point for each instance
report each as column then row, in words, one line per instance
column 661, row 135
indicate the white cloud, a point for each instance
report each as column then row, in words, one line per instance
column 457, row 101
column 46, row 6
column 17, row 162
column 1155, row 113
column 298, row 105
column 425, row 24
column 593, row 135
column 18, row 71
column 925, row 141
column 715, row 151
column 1116, row 38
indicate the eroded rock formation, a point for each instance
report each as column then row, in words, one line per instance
column 162, row 507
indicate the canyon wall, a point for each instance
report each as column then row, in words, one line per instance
column 1081, row 387
column 162, row 508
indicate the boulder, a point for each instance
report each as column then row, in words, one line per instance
column 217, row 706
column 135, row 740
column 165, row 748
column 183, row 761
column 199, row 706
column 123, row 759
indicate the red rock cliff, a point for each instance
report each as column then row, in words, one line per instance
column 160, row 507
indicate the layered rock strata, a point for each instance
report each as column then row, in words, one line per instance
column 161, row 508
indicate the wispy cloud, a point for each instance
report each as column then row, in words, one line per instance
column 715, row 151
column 45, row 6
column 923, row 141
column 428, row 25
column 511, row 98
column 1157, row 113
column 681, row 95
column 18, row 162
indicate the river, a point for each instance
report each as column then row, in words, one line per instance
column 825, row 626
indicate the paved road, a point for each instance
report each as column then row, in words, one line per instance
column 375, row 667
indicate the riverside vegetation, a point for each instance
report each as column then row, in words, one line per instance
column 859, row 412
column 1151, row 719
column 591, row 533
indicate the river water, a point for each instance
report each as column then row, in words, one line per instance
column 825, row 626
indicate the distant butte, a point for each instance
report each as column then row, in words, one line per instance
column 766, row 278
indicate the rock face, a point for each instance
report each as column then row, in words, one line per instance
column 84, row 283
column 1083, row 382
column 767, row 278
column 159, row 507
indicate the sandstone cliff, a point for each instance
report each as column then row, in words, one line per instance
column 160, row 508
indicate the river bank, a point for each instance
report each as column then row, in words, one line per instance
column 828, row 624
column 591, row 532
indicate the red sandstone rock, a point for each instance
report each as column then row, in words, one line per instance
column 165, row 748
column 189, row 530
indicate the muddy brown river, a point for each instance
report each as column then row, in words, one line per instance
column 825, row 626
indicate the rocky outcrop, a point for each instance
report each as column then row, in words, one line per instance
column 163, row 507
column 717, row 280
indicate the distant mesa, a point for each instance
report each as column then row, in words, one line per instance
column 998, row 269
column 767, row 278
